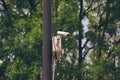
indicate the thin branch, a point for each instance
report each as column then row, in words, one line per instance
column 95, row 7
column 109, row 53
column 37, row 3
column 85, row 43
column 88, row 7
column 4, row 4
column 86, row 52
column 101, row 22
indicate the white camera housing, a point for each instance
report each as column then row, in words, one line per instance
column 62, row 33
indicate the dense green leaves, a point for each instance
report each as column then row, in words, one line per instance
column 21, row 35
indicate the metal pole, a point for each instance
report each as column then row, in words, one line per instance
column 53, row 69
column 47, row 41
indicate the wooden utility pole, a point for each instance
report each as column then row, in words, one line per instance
column 47, row 41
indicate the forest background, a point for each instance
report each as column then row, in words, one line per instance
column 91, row 51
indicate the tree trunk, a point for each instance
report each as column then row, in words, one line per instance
column 80, row 40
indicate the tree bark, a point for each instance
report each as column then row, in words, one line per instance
column 80, row 39
column 80, row 33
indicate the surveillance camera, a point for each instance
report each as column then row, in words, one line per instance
column 62, row 33
column 118, row 22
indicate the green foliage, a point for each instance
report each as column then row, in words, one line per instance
column 21, row 35
column 19, row 70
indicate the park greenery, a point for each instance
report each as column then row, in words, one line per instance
column 90, row 52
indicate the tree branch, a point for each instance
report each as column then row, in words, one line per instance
column 81, row 9
column 4, row 5
column 85, row 43
column 95, row 8
column 32, row 4
column 88, row 7
column 86, row 52
column 109, row 53
column 40, row 1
